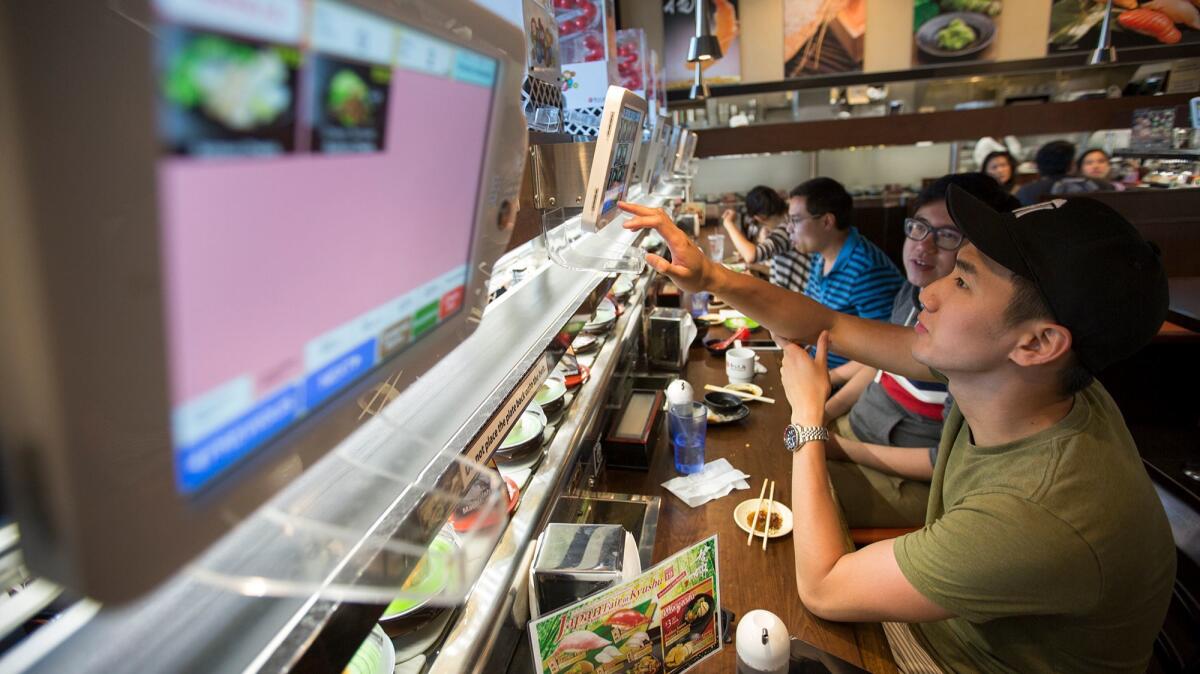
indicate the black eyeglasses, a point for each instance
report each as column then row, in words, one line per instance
column 946, row 238
column 797, row 220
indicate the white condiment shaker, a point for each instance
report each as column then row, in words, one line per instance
column 679, row 393
column 763, row 645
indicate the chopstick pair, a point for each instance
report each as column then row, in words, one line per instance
column 759, row 509
column 741, row 394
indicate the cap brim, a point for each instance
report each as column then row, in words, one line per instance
column 987, row 230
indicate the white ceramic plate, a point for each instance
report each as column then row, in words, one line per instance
column 552, row 390
column 585, row 343
column 376, row 655
column 746, row 509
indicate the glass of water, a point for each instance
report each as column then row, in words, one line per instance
column 688, row 424
column 716, row 247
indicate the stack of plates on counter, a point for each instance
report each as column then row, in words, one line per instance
column 585, row 343
column 551, row 396
column 525, row 438
column 622, row 288
column 430, row 577
column 604, row 318
column 376, row 655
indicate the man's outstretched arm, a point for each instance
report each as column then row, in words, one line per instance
column 785, row 313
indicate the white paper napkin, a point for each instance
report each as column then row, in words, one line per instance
column 715, row 480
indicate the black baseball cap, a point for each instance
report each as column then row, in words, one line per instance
column 1100, row 278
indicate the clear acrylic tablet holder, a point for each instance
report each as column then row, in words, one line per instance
column 611, row 249
column 373, row 529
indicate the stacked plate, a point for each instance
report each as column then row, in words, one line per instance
column 604, row 318
column 525, row 438
column 622, row 288
column 550, row 396
column 376, row 655
column 431, row 577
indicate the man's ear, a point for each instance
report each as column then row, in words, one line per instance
column 829, row 222
column 1040, row 343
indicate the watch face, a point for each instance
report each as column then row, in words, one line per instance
column 791, row 437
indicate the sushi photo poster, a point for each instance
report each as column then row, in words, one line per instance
column 1075, row 24
column 665, row 620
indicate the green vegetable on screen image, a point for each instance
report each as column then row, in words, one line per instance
column 957, row 35
column 349, row 98
column 236, row 84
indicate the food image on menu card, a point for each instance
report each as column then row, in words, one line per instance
column 349, row 105
column 224, row 96
column 662, row 621
column 688, row 625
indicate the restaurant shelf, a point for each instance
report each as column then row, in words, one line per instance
column 909, row 129
column 1183, row 154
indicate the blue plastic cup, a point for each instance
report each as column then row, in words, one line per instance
column 688, row 424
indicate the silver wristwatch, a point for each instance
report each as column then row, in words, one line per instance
column 794, row 437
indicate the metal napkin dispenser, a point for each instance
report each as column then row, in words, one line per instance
column 669, row 336
column 573, row 561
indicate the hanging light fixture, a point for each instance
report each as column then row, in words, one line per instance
column 703, row 47
column 699, row 90
column 1104, row 51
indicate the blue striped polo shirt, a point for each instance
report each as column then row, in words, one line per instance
column 862, row 282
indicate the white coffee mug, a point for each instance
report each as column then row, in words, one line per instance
column 740, row 365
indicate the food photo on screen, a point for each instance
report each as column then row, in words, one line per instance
column 349, row 105
column 226, row 96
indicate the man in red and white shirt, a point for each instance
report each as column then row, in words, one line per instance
column 886, row 427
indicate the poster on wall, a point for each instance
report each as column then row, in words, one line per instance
column 666, row 620
column 821, row 37
column 1075, row 24
column 954, row 31
column 679, row 25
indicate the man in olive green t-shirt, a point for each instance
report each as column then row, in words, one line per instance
column 1017, row 529
column 1045, row 547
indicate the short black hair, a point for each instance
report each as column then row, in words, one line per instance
column 1091, row 150
column 1028, row 303
column 764, row 201
column 826, row 195
column 979, row 185
column 1054, row 158
column 1012, row 165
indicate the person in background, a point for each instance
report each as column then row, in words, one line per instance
column 1002, row 166
column 767, row 210
column 1096, row 164
column 884, row 427
column 849, row 274
column 1056, row 162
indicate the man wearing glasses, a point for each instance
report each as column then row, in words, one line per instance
column 849, row 274
column 885, row 427
column 1046, row 547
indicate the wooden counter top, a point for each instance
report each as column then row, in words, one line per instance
column 750, row 578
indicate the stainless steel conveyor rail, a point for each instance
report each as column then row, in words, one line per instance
column 186, row 625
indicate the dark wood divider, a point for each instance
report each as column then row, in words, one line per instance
column 1169, row 218
column 1017, row 120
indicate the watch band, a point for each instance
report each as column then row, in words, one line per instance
column 795, row 437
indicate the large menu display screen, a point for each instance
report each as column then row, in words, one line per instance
column 317, row 198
